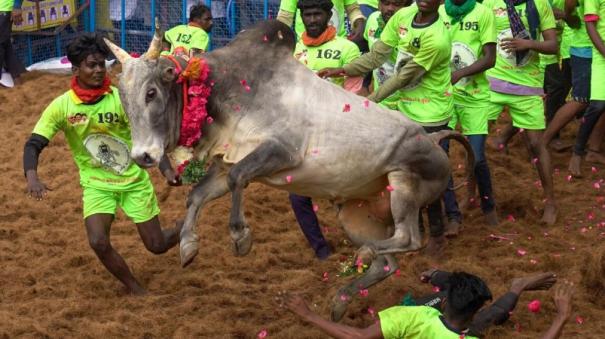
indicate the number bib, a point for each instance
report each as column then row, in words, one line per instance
column 108, row 152
column 462, row 56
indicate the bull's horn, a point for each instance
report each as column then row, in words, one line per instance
column 120, row 54
column 155, row 48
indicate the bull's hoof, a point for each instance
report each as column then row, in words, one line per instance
column 366, row 254
column 340, row 303
column 243, row 245
column 189, row 249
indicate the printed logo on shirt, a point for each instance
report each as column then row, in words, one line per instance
column 500, row 12
column 77, row 119
column 511, row 57
column 384, row 72
column 108, row 152
column 462, row 57
column 402, row 31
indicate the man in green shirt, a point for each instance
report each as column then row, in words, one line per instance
column 517, row 81
column 473, row 34
column 318, row 48
column 421, row 83
column 96, row 128
column 288, row 14
column 192, row 38
column 10, row 12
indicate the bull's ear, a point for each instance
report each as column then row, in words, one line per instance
column 169, row 74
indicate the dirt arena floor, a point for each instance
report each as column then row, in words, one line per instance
column 52, row 285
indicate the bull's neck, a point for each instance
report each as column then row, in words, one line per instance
column 174, row 111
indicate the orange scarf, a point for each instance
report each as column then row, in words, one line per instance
column 326, row 36
column 90, row 95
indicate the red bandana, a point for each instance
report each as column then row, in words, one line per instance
column 90, row 95
column 326, row 36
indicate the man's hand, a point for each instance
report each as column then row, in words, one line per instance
column 36, row 189
column 294, row 303
column 511, row 45
column 358, row 27
column 331, row 72
column 172, row 178
column 564, row 291
column 17, row 16
column 426, row 276
column 456, row 76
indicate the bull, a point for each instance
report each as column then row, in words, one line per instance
column 289, row 123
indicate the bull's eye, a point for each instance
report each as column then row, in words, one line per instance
column 150, row 95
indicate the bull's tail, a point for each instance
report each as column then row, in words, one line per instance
column 470, row 156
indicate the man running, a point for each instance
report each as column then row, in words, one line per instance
column 92, row 118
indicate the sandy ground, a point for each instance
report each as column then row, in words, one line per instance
column 52, row 285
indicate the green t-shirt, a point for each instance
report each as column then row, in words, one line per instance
column 596, row 7
column 337, row 20
column 188, row 37
column 566, row 41
column 527, row 73
column 6, row 5
column 374, row 26
column 334, row 53
column 580, row 36
column 547, row 59
column 99, row 138
column 430, row 99
column 468, row 37
column 415, row 322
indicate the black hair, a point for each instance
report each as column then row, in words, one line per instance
column 466, row 295
column 198, row 11
column 326, row 5
column 84, row 45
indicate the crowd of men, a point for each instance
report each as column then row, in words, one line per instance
column 459, row 64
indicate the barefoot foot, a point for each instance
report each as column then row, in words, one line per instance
column 434, row 248
column 540, row 281
column 550, row 213
column 575, row 164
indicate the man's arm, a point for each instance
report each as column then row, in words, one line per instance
column 571, row 17
column 486, row 62
column 405, row 75
column 298, row 306
column 31, row 152
column 597, row 41
column 562, row 298
column 550, row 45
column 367, row 62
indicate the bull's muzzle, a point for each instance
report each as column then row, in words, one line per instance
column 145, row 160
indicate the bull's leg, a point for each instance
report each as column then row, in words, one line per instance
column 381, row 267
column 405, row 215
column 266, row 159
column 212, row 186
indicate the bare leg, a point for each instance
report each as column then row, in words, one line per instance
column 533, row 140
column 98, row 227
column 563, row 116
column 156, row 240
column 593, row 151
column 500, row 142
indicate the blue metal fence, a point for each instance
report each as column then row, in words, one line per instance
column 129, row 23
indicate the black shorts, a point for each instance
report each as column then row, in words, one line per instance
column 580, row 78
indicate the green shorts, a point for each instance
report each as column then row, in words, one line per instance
column 472, row 120
column 526, row 111
column 139, row 205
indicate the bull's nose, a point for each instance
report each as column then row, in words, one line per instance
column 145, row 160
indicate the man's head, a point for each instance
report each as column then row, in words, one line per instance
column 428, row 6
column 87, row 54
column 388, row 7
column 315, row 15
column 202, row 16
column 466, row 295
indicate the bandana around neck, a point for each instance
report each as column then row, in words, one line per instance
column 458, row 12
column 90, row 95
column 326, row 36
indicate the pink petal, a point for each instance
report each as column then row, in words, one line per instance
column 510, row 218
column 371, row 312
column 568, row 178
column 315, row 208
column 436, row 289
column 596, row 185
column 209, row 120
column 521, row 252
column 262, row 334
column 265, row 39
column 346, row 108
column 344, row 297
column 390, row 188
column 325, row 277
column 500, row 147
column 590, row 215
column 386, row 268
column 579, row 320
column 397, row 272
column 247, row 88
column 366, row 103
column 243, row 82
column 363, row 293
column 288, row 179
column 533, row 261
column 534, row 161
column 594, row 169
column 534, row 306
column 521, row 130
column 315, row 151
